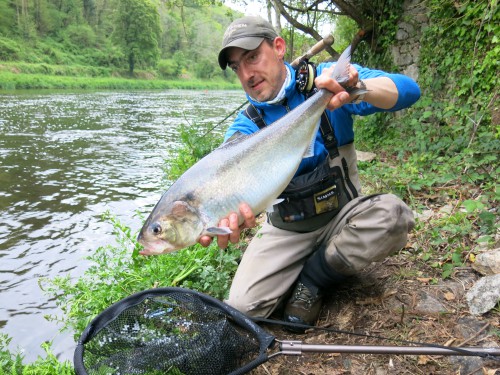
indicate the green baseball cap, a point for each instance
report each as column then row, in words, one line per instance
column 247, row 33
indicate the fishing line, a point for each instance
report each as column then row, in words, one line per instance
column 225, row 118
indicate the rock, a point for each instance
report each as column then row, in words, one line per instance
column 411, row 71
column 487, row 263
column 468, row 365
column 446, row 210
column 424, row 215
column 429, row 305
column 401, row 34
column 484, row 294
column 365, row 156
column 470, row 327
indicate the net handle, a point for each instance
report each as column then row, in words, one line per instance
column 297, row 348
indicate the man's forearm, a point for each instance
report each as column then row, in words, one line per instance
column 382, row 92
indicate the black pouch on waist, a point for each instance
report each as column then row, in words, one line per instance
column 324, row 190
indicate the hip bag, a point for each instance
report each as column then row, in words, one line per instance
column 326, row 189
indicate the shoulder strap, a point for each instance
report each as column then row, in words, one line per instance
column 253, row 114
column 328, row 135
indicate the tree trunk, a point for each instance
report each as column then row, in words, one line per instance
column 131, row 64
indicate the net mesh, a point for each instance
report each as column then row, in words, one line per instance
column 170, row 331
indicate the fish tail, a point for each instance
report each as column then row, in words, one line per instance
column 341, row 70
column 341, row 73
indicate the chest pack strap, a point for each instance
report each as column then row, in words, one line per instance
column 325, row 126
column 254, row 116
column 328, row 135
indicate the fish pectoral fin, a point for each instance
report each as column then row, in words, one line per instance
column 219, row 231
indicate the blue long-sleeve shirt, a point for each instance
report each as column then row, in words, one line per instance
column 340, row 118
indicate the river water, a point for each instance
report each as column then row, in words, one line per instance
column 65, row 158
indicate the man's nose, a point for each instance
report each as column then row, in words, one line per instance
column 245, row 72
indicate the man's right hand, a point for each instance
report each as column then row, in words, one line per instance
column 231, row 222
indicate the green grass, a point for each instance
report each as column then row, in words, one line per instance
column 118, row 271
column 18, row 81
column 12, row 364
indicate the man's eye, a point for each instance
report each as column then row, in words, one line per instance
column 252, row 58
column 234, row 68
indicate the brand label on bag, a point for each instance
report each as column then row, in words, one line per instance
column 326, row 200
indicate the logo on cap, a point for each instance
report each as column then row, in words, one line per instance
column 231, row 29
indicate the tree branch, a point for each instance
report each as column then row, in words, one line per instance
column 351, row 11
column 306, row 29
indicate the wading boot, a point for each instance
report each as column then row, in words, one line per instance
column 303, row 307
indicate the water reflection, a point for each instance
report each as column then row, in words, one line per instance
column 65, row 158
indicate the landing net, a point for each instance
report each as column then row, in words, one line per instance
column 171, row 331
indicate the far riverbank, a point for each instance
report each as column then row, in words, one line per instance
column 24, row 76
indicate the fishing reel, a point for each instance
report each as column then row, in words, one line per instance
column 305, row 73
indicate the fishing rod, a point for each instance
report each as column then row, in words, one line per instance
column 295, row 347
column 311, row 52
column 314, row 50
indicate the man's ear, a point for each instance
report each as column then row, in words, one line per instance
column 280, row 46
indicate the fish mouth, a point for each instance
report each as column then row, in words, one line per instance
column 156, row 247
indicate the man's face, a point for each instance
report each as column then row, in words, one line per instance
column 261, row 71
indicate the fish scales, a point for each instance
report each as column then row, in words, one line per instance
column 257, row 168
column 254, row 169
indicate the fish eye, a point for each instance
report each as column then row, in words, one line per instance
column 156, row 228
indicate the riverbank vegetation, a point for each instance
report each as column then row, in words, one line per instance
column 119, row 44
column 16, row 81
column 442, row 154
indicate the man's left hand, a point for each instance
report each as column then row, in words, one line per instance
column 340, row 97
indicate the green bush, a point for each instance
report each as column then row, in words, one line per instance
column 205, row 69
column 9, row 50
column 12, row 364
column 119, row 271
column 168, row 68
column 80, row 35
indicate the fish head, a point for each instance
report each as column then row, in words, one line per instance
column 170, row 227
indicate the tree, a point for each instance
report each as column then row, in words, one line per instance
column 307, row 15
column 138, row 32
column 7, row 18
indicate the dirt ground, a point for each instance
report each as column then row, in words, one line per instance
column 391, row 300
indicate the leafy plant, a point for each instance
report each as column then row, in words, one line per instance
column 451, row 142
column 448, row 239
column 119, row 271
column 195, row 143
column 11, row 364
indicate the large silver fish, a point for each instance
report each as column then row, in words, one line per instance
column 254, row 169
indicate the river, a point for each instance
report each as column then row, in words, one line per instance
column 65, row 158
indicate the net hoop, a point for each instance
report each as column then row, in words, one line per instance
column 265, row 340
